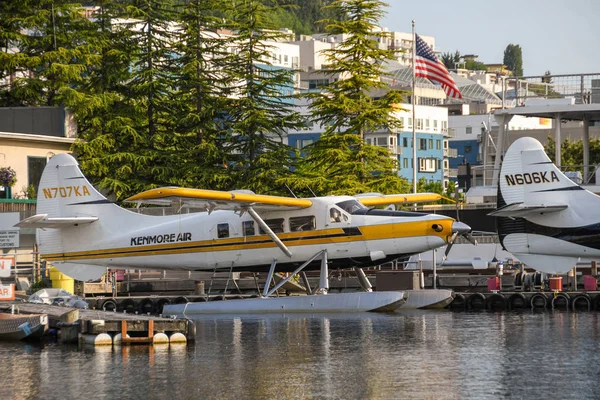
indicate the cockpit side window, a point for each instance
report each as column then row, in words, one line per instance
column 350, row 206
column 336, row 215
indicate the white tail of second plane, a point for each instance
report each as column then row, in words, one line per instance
column 544, row 218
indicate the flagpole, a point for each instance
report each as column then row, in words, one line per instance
column 414, row 103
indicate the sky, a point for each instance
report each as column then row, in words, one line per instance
column 561, row 36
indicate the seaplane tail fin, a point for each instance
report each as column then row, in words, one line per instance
column 71, row 214
column 528, row 176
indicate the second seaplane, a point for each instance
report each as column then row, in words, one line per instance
column 82, row 233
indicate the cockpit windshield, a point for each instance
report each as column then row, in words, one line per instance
column 350, row 206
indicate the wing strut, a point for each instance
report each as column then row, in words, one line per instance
column 271, row 234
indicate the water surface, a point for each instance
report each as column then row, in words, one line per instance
column 404, row 355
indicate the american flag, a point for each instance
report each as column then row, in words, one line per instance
column 428, row 66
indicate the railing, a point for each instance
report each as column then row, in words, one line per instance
column 583, row 88
column 451, row 153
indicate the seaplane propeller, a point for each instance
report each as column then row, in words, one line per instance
column 459, row 228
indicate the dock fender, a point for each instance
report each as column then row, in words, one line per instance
column 127, row 306
column 146, row 306
column 517, row 301
column 560, row 298
column 497, row 302
column 108, row 305
column 476, row 301
column 160, row 303
column 581, row 302
column 538, row 301
column 181, row 300
column 459, row 302
column 596, row 303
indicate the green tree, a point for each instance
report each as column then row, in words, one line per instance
column 347, row 110
column 513, row 59
column 450, row 60
column 201, row 97
column 45, row 47
column 261, row 109
column 335, row 164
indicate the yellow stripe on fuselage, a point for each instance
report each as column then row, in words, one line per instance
column 317, row 237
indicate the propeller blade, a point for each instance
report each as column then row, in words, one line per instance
column 470, row 238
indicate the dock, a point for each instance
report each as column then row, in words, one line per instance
column 99, row 327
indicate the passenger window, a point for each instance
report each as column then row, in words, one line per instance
column 248, row 228
column 222, row 231
column 275, row 224
column 302, row 223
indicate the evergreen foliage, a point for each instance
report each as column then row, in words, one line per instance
column 347, row 109
column 513, row 59
column 261, row 109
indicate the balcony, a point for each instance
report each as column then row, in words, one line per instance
column 449, row 132
column 450, row 153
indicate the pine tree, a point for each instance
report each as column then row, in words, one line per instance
column 202, row 96
column 262, row 109
column 45, row 47
column 347, row 109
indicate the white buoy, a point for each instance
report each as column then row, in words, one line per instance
column 118, row 339
column 177, row 338
column 103, row 339
column 160, row 338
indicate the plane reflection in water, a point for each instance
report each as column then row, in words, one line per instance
column 408, row 355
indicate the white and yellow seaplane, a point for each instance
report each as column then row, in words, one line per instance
column 82, row 233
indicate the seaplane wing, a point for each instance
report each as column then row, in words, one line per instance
column 544, row 218
column 211, row 200
column 377, row 199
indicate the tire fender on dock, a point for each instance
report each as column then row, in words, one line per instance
column 538, row 301
column 181, row 300
column 517, row 301
column 476, row 301
column 128, row 306
column 497, row 302
column 581, row 302
column 109, row 305
column 146, row 306
column 160, row 304
column 560, row 298
column 596, row 303
column 459, row 302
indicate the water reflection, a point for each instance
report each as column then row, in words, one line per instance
column 401, row 355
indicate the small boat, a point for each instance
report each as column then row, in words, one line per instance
column 22, row 326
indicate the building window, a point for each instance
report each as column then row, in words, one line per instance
column 285, row 59
column 469, row 130
column 35, row 167
column 444, row 126
column 409, row 122
column 445, row 144
column 445, row 164
column 468, row 149
column 431, row 143
column 427, row 124
column 405, row 163
column 248, row 228
column 420, row 123
column 302, row 143
column 422, row 144
column 382, row 141
column 222, row 230
column 405, row 142
column 438, row 144
column 435, row 124
column 427, row 164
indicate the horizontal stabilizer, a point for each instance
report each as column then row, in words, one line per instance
column 80, row 272
column 43, row 221
column 519, row 210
